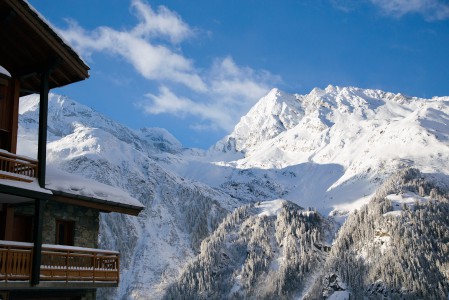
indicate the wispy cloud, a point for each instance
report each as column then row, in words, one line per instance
column 164, row 22
column 217, row 95
column 346, row 5
column 152, row 61
column 232, row 91
column 430, row 9
column 215, row 113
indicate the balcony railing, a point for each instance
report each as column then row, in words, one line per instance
column 17, row 167
column 58, row 263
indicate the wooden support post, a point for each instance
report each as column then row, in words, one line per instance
column 42, row 140
column 9, row 222
column 15, row 90
column 37, row 237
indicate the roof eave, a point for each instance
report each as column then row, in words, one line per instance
column 101, row 204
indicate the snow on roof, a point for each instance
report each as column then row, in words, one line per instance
column 3, row 71
column 31, row 186
column 57, row 247
column 60, row 181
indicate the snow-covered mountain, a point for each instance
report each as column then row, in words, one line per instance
column 330, row 149
column 178, row 212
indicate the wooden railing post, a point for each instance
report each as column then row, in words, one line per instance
column 8, row 267
column 67, row 266
column 118, row 269
column 93, row 270
column 37, row 236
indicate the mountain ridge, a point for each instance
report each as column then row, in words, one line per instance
column 330, row 149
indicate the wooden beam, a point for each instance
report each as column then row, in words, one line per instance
column 15, row 90
column 42, row 139
column 44, row 31
column 100, row 206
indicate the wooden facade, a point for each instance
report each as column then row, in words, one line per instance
column 36, row 60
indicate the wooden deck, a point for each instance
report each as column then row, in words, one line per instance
column 17, row 167
column 59, row 264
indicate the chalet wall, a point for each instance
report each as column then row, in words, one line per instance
column 86, row 222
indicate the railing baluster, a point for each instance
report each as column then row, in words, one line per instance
column 95, row 263
column 15, row 164
column 59, row 264
column 67, row 266
column 7, row 263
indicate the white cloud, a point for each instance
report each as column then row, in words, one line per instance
column 228, row 79
column 218, row 96
column 430, row 9
column 164, row 22
column 168, row 102
column 233, row 90
column 152, row 61
column 346, row 5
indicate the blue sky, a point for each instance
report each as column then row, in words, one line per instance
column 196, row 67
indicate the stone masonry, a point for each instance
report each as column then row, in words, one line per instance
column 86, row 222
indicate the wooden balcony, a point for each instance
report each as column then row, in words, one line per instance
column 17, row 167
column 60, row 264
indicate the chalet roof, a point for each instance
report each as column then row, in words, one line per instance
column 71, row 189
column 22, row 191
column 74, row 189
column 29, row 46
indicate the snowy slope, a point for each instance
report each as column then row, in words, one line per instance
column 265, row 250
column 329, row 149
column 178, row 212
column 386, row 251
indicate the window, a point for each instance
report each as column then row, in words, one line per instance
column 64, row 232
column 23, row 228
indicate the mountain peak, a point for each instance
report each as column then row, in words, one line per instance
column 272, row 114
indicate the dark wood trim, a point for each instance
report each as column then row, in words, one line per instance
column 9, row 222
column 51, row 38
column 42, row 139
column 37, row 238
column 104, row 207
column 68, row 234
column 25, row 285
column 51, row 294
column 22, row 192
column 15, row 90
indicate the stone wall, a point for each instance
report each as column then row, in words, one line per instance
column 86, row 222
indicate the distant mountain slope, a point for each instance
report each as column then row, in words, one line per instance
column 266, row 250
column 331, row 150
column 396, row 247
column 179, row 213
column 328, row 149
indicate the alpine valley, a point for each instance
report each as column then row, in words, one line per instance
column 341, row 193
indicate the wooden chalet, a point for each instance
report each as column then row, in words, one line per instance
column 48, row 236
